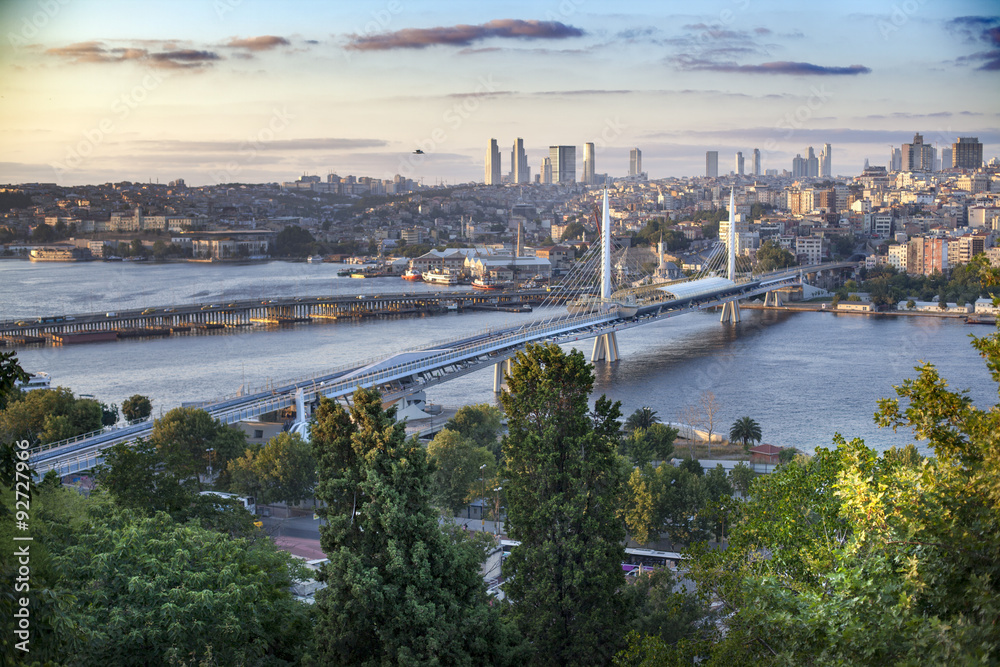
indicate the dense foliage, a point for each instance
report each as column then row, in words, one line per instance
column 771, row 256
column 564, row 486
column 400, row 590
column 48, row 415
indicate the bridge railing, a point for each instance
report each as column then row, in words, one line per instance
column 85, row 436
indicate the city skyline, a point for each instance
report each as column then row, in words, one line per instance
column 243, row 91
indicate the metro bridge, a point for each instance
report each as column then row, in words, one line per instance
column 409, row 372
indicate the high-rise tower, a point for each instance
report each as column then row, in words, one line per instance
column 712, row 164
column 563, row 163
column 967, row 153
column 588, row 163
column 739, row 163
column 493, row 164
column 755, row 164
column 519, row 171
column 826, row 161
column 635, row 162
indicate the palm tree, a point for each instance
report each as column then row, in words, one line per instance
column 642, row 418
column 745, row 430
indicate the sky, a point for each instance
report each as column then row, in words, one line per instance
column 211, row 91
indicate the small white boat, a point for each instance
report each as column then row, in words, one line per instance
column 315, row 259
column 36, row 381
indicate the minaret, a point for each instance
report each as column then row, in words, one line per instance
column 660, row 268
column 606, row 249
column 732, row 234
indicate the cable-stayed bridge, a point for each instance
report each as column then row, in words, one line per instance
column 406, row 373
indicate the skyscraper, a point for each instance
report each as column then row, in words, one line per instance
column 712, row 164
column 966, row 154
column 546, row 175
column 493, row 164
column 563, row 160
column 917, row 156
column 519, row 170
column 588, row 163
column 799, row 166
column 739, row 163
column 755, row 164
column 635, row 162
column 812, row 163
column 947, row 158
column 895, row 160
column 825, row 161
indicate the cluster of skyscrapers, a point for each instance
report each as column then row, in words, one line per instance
column 558, row 167
column 966, row 153
column 739, row 168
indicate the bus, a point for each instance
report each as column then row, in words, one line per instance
column 51, row 320
column 636, row 559
column 248, row 502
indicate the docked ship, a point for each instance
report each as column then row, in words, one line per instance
column 489, row 284
column 36, row 381
column 58, row 254
column 411, row 274
column 440, row 277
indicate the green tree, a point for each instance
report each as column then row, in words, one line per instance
column 137, row 249
column 746, row 430
column 643, row 417
column 49, row 415
column 479, row 423
column 189, row 440
column 131, row 474
column 459, row 465
column 564, row 489
column 152, row 591
column 771, row 256
column 282, row 470
column 742, row 477
column 644, row 445
column 399, row 589
column 109, row 414
column 136, row 407
column 574, row 230
column 293, row 241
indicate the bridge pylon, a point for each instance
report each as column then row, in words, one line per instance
column 500, row 370
column 605, row 348
column 772, row 299
column 730, row 312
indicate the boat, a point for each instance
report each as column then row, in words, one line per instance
column 411, row 274
column 36, row 381
column 440, row 277
column 315, row 259
column 489, row 284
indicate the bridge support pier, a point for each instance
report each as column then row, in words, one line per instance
column 605, row 348
column 772, row 299
column 499, row 369
column 730, row 312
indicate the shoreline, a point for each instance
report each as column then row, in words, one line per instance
column 818, row 307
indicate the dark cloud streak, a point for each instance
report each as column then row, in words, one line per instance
column 462, row 35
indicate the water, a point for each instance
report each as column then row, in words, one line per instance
column 802, row 376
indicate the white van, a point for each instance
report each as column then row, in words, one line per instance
column 248, row 501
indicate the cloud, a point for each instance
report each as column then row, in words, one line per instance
column 98, row 52
column 777, row 67
column 261, row 43
column 462, row 35
column 977, row 30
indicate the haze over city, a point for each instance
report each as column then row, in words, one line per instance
column 248, row 91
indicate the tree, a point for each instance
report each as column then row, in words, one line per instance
column 152, row 591
column 399, row 589
column 746, row 430
column 564, row 484
column 644, row 445
column 911, row 304
column 49, row 415
column 130, row 473
column 136, row 407
column 479, row 423
column 889, row 559
column 742, row 476
column 459, row 466
column 109, row 414
column 189, row 440
column 293, row 241
column 137, row 249
column 643, row 417
column 282, row 470
column 771, row 256
column 706, row 415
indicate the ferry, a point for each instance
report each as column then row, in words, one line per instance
column 489, row 284
column 315, row 259
column 439, row 277
column 411, row 274
column 36, row 381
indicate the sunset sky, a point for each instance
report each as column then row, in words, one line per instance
column 246, row 90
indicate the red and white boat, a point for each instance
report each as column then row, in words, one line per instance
column 488, row 284
column 412, row 274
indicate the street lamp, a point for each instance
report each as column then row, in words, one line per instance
column 496, row 517
column 211, row 458
column 482, row 507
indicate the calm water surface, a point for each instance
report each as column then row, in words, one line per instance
column 802, row 376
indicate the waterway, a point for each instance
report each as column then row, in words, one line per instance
column 802, row 376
